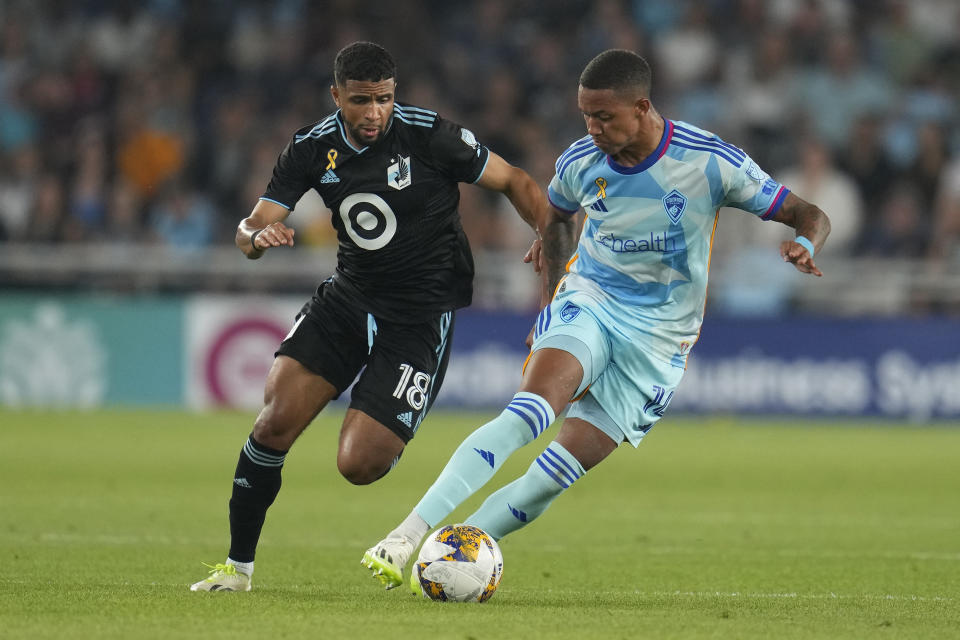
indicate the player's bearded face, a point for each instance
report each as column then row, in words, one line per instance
column 366, row 108
column 611, row 120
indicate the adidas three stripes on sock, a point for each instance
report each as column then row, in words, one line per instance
column 256, row 483
column 483, row 452
column 520, row 502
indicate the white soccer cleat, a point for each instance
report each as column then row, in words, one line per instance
column 387, row 560
column 223, row 577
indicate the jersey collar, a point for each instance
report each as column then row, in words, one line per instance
column 650, row 159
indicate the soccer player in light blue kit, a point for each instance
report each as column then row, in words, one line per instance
column 614, row 340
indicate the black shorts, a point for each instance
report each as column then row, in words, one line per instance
column 402, row 364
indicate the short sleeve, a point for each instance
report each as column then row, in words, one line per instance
column 750, row 188
column 457, row 152
column 290, row 175
column 561, row 195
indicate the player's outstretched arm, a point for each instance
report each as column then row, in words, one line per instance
column 524, row 193
column 264, row 229
column 810, row 223
column 555, row 229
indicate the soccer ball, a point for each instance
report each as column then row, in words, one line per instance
column 458, row 563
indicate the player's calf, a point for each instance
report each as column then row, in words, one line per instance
column 520, row 502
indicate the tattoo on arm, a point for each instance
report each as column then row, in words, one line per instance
column 559, row 242
column 806, row 218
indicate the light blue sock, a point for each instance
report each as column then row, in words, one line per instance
column 520, row 502
column 483, row 452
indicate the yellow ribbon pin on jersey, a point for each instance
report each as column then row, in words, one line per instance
column 600, row 182
column 332, row 157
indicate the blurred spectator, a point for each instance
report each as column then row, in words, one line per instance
column 125, row 220
column 18, row 184
column 903, row 225
column 46, row 221
column 865, row 160
column 15, row 59
column 902, row 49
column 810, row 23
column 945, row 245
column 609, row 26
column 182, row 218
column 503, row 105
column 226, row 153
column 752, row 282
column 148, row 157
column 929, row 165
column 18, row 126
column 760, row 84
column 89, row 86
column 657, row 16
column 121, row 38
column 88, row 196
column 817, row 179
column 924, row 101
column 688, row 54
column 835, row 95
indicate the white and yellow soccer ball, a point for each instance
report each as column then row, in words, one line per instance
column 458, row 563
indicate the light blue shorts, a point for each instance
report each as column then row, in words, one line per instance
column 627, row 388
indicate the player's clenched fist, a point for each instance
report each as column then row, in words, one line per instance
column 273, row 235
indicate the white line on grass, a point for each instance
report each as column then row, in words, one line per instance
column 732, row 595
column 809, row 553
column 805, row 520
column 794, row 596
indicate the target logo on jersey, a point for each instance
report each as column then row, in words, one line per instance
column 368, row 220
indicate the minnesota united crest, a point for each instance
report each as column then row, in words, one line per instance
column 675, row 204
column 398, row 174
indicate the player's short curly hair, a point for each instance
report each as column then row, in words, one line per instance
column 365, row 62
column 617, row 69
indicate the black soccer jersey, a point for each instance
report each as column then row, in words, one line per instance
column 402, row 252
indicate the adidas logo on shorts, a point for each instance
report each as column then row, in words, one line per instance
column 406, row 418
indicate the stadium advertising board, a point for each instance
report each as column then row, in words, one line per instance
column 74, row 351
column 215, row 351
column 229, row 345
column 904, row 368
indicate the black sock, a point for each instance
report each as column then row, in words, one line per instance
column 255, row 485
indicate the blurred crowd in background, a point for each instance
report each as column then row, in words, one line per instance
column 159, row 121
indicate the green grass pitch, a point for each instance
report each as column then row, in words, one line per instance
column 713, row 528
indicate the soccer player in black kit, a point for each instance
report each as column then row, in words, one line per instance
column 389, row 173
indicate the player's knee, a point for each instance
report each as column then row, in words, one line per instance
column 361, row 470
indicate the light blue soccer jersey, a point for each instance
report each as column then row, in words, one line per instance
column 646, row 241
